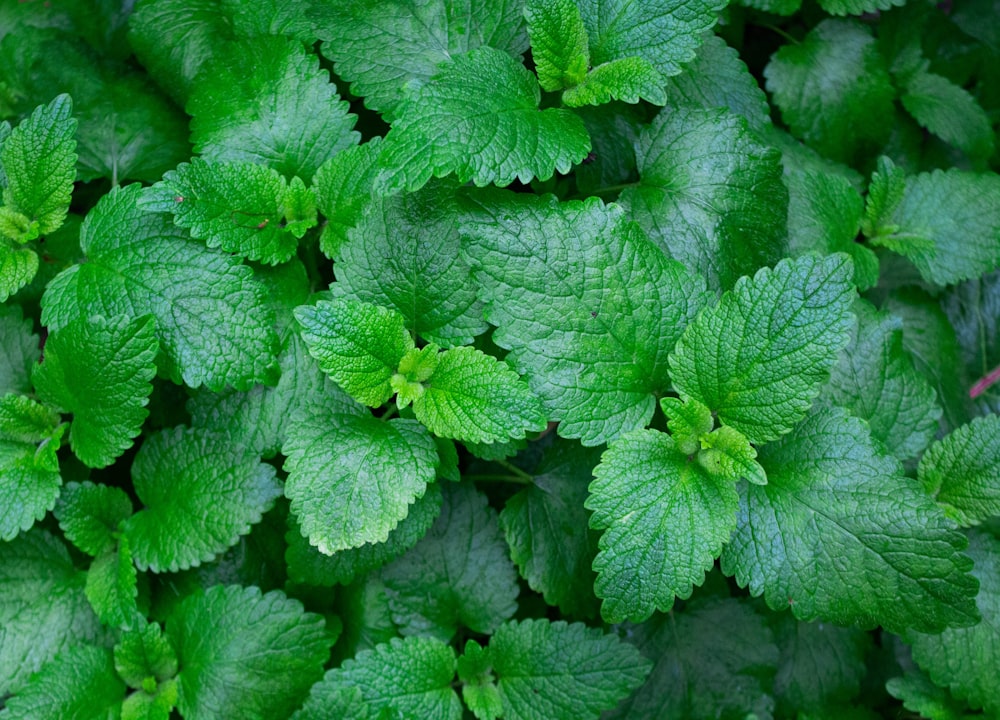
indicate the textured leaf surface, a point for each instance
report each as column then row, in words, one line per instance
column 270, row 17
column 559, row 43
column 144, row 652
column 381, row 46
column 100, row 371
column 267, row 101
column 89, row 515
column 200, row 494
column 626, row 79
column 18, row 267
column 664, row 520
column 29, row 482
column 587, row 306
column 710, row 193
column 352, row 479
column 857, row 7
column 111, row 586
column 410, row 678
column 474, row 104
column 920, row 695
column 245, row 654
column 829, row 501
column 950, row 112
column 962, row 471
column 19, row 350
column 343, row 186
column 210, row 318
column 458, row 574
column 758, row 357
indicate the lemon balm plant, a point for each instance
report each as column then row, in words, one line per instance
column 522, row 359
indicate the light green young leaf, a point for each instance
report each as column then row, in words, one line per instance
column 964, row 659
column 460, row 573
column 144, row 652
column 158, row 706
column 726, row 454
column 246, row 655
column 405, row 253
column 475, row 397
column 558, row 43
column 43, row 610
column 352, row 479
column 710, row 193
column 664, row 520
column 358, row 344
column 89, row 515
column 200, row 492
column 268, row 101
column 950, row 112
column 298, row 206
column 416, row 368
column 557, row 671
column 29, row 481
column 758, row 357
column 79, row 684
column 343, row 187
column 23, row 420
column 962, row 471
column 39, row 161
column 111, row 586
column 876, row 381
column 19, row 350
column 586, row 304
column 18, row 265
column 100, row 371
column 885, row 193
column 918, row 694
column 456, row 121
column 689, row 421
column 833, row 90
column 627, row 79
column 405, row 678
column 211, row 321
column 829, row 499
column 380, row 46
column 236, row 206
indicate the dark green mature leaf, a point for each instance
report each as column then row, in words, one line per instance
column 833, row 90
column 857, row 7
column 664, row 520
column 381, row 46
column 43, row 610
column 29, row 468
column 19, row 350
column 352, row 479
column 972, row 314
column 828, row 503
column 79, row 684
column 201, row 494
column 406, row 678
column 343, row 186
column 962, row 471
column 920, row 695
column 89, row 515
column 100, row 371
column 267, row 101
column 270, row 17
column 710, row 193
column 713, row 660
column 458, row 574
column 243, row 654
column 474, row 104
column 613, row 130
column 587, row 306
column 950, row 112
column 210, row 316
column 758, row 357
column 965, row 659
column 550, row 671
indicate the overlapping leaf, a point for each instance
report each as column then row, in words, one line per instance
column 962, row 471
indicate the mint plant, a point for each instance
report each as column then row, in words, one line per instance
column 517, row 360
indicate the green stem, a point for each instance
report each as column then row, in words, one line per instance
column 390, row 413
column 775, row 28
column 610, row 189
column 498, row 478
column 516, row 471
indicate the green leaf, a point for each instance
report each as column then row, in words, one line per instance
column 962, row 471
column 626, row 79
column 474, row 104
column 100, row 371
column 343, row 186
column 965, row 659
column 664, row 520
column 710, row 193
column 857, row 7
column 19, row 350
column 235, row 206
column 268, row 101
column 246, row 655
column 458, row 574
column 947, row 224
column 39, row 162
column 407, row 678
column 144, row 652
column 726, row 454
column 200, row 493
column 876, row 381
column 43, row 610
column 379, row 47
column 558, row 43
column 950, row 112
column 833, row 90
column 714, row 660
column 29, row 481
column 689, row 421
column 829, row 499
column 306, row 564
column 18, row 265
column 416, row 368
column 352, row 479
column 885, row 193
column 920, row 695
column 269, row 17
column 80, row 684
column 613, row 130
column 475, row 397
column 210, row 318
column 556, row 671
column 358, row 344
column 758, row 357
column 543, row 527
column 587, row 306
column 89, row 515
column 405, row 254
column 111, row 586
column 23, row 420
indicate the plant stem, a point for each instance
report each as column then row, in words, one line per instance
column 498, row 478
column 985, row 382
column 516, row 471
